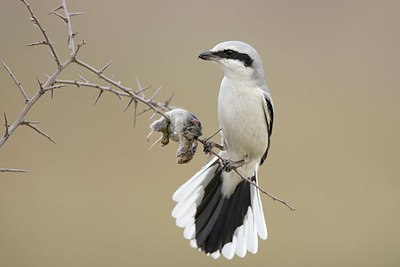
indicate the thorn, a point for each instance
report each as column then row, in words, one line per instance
column 77, row 14
column 143, row 111
column 37, row 43
column 83, row 79
column 40, row 84
column 168, row 101
column 120, row 97
column 149, row 135
column 155, row 94
column 6, row 134
column 52, row 55
column 17, row 83
column 143, row 89
column 54, row 10
column 98, row 97
column 152, row 116
column 74, row 34
column 29, row 124
column 60, row 16
column 135, row 114
column 105, row 67
column 130, row 102
column 156, row 142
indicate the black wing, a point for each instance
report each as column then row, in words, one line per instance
column 269, row 118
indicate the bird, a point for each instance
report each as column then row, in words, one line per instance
column 220, row 212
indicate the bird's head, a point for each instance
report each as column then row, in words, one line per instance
column 237, row 60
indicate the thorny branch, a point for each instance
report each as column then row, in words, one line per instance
column 113, row 87
column 36, row 22
column 52, row 82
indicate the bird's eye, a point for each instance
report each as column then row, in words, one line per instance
column 229, row 52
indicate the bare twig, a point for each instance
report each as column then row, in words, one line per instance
column 274, row 198
column 12, row 170
column 70, row 32
column 17, row 83
column 212, row 136
column 48, row 42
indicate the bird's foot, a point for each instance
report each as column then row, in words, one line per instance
column 229, row 165
column 209, row 146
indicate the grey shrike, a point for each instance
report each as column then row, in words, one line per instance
column 220, row 212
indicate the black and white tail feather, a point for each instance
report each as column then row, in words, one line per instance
column 217, row 224
column 220, row 212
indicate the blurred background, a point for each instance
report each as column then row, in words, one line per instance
column 101, row 198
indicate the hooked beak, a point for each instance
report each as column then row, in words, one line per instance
column 208, row 55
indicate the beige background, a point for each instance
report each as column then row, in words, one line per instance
column 101, row 198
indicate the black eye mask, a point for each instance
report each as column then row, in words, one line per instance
column 231, row 54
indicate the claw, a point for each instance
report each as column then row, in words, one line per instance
column 229, row 165
column 209, row 146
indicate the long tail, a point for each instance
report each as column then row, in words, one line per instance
column 218, row 224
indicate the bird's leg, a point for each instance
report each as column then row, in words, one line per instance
column 229, row 165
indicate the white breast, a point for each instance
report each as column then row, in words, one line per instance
column 242, row 119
